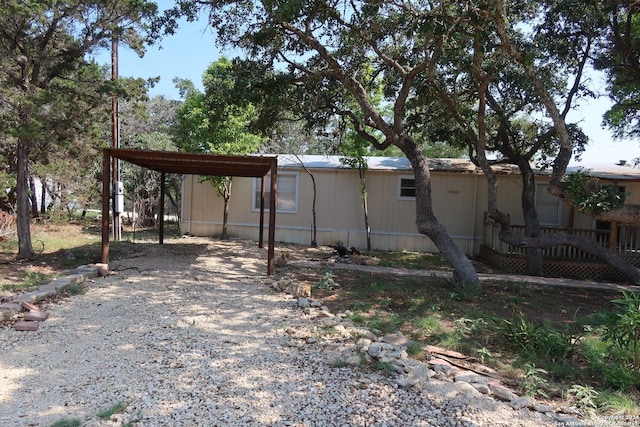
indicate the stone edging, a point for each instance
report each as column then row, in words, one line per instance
column 439, row 373
column 10, row 309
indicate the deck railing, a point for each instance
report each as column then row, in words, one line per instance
column 625, row 240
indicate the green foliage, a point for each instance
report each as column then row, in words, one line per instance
column 623, row 325
column 483, row 354
column 534, row 341
column 534, row 382
column 590, row 197
column 429, row 325
column 116, row 408
column 54, row 98
column 385, row 323
column 586, row 397
column 618, row 58
column 75, row 289
column 473, row 327
column 385, row 367
column 219, row 120
column 327, row 282
column 413, row 260
column 66, row 422
column 616, row 403
column 620, row 377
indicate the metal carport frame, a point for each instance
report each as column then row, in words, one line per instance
column 194, row 164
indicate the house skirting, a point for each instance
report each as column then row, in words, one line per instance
column 380, row 240
column 570, row 269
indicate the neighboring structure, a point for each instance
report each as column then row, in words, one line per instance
column 459, row 194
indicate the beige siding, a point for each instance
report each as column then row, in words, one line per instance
column 460, row 202
column 339, row 210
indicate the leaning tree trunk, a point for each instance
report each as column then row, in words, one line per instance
column 464, row 273
column 562, row 159
column 23, row 219
column 531, row 222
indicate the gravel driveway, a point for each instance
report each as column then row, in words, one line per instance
column 192, row 334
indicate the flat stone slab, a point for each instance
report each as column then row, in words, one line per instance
column 38, row 315
column 30, row 306
column 26, row 325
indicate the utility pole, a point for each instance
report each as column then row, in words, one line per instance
column 117, row 200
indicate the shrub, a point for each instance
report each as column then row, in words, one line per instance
column 622, row 328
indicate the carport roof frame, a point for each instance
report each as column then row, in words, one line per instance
column 193, row 164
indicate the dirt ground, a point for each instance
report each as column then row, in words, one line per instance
column 539, row 303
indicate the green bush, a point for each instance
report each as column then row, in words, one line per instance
column 622, row 328
column 534, row 341
column 621, row 377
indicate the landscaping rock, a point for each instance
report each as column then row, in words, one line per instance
column 25, row 325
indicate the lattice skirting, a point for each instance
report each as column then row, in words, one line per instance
column 585, row 270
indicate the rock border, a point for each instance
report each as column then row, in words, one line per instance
column 441, row 375
column 11, row 309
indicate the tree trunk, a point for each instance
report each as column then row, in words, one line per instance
column 23, row 219
column 590, row 246
column 33, row 197
column 43, row 199
column 464, row 273
column 225, row 216
column 314, row 227
column 531, row 222
column 365, row 206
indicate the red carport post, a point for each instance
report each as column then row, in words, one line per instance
column 106, row 175
column 261, row 228
column 161, row 213
column 271, row 267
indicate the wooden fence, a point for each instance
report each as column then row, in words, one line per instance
column 622, row 240
column 563, row 260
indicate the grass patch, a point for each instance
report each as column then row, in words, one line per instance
column 67, row 423
column 548, row 340
column 25, row 280
column 412, row 260
column 117, row 408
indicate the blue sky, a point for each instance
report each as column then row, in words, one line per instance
column 189, row 52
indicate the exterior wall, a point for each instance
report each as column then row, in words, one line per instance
column 339, row 210
column 460, row 202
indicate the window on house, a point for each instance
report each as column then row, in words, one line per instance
column 548, row 206
column 287, row 198
column 407, row 188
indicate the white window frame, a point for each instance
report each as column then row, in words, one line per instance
column 400, row 187
column 542, row 187
column 256, row 189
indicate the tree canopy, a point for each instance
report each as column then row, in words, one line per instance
column 217, row 122
column 493, row 76
column 619, row 58
column 49, row 93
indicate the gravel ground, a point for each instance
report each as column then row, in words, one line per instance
column 192, row 334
